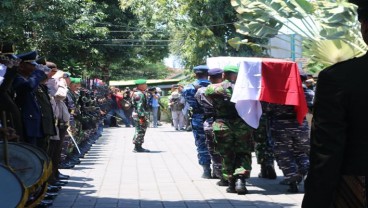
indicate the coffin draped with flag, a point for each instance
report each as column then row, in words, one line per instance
column 264, row 79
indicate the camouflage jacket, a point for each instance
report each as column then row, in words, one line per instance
column 220, row 94
column 205, row 102
column 139, row 101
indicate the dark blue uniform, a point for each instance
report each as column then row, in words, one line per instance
column 197, row 120
column 25, row 89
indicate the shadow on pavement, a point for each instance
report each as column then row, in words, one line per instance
column 83, row 200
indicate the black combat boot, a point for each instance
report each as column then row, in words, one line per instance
column 240, row 185
column 139, row 148
column 231, row 187
column 293, row 187
column 217, row 172
column 206, row 171
column 267, row 171
column 222, row 182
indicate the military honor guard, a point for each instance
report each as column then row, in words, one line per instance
column 140, row 115
column 197, row 117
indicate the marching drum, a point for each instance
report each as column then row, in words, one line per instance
column 12, row 191
column 47, row 170
column 25, row 163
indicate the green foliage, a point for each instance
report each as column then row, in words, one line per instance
column 79, row 36
column 198, row 29
column 164, row 107
column 145, row 70
column 60, row 30
column 329, row 28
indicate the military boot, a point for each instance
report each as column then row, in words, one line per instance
column 293, row 187
column 267, row 171
column 240, row 185
column 222, row 182
column 139, row 148
column 206, row 171
column 217, row 172
column 231, row 187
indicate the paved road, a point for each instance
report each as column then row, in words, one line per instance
column 111, row 175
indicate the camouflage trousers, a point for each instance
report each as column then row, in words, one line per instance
column 291, row 147
column 141, row 125
column 264, row 151
column 263, row 144
column 215, row 156
column 204, row 157
column 233, row 142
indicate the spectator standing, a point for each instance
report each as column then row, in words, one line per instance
column 127, row 104
column 116, row 107
column 176, row 105
column 155, row 105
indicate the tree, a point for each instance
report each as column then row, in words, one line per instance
column 321, row 23
column 198, row 29
column 59, row 29
column 86, row 37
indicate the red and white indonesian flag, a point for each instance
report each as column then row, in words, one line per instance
column 264, row 79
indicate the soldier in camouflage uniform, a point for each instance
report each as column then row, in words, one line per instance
column 232, row 134
column 197, row 117
column 140, row 115
column 291, row 142
column 206, row 105
column 263, row 146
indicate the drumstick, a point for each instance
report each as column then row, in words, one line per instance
column 3, row 120
column 12, row 124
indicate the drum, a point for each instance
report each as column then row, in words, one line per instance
column 12, row 191
column 25, row 163
column 47, row 170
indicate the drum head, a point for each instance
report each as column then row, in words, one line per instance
column 40, row 152
column 12, row 191
column 26, row 164
column 44, row 157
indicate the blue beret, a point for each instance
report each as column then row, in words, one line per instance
column 29, row 57
column 200, row 69
column 215, row 71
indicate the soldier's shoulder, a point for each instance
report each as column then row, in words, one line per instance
column 342, row 69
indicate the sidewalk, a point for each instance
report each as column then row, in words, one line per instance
column 111, row 175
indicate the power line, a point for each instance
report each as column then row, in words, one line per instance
column 160, row 30
column 141, row 40
column 131, row 45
